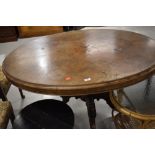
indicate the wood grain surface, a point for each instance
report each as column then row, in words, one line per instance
column 81, row 62
column 33, row 31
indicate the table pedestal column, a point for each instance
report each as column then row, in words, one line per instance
column 91, row 111
column 89, row 100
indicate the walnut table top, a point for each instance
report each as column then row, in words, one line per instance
column 81, row 62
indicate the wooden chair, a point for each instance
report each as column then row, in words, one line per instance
column 5, row 85
column 6, row 113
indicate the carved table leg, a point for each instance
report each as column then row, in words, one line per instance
column 105, row 96
column 65, row 99
column 91, row 111
column 89, row 100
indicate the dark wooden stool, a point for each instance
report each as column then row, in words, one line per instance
column 45, row 114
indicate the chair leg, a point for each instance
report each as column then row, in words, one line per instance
column 12, row 116
column 4, row 98
column 21, row 93
column 2, row 95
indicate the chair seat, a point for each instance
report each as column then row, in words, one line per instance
column 126, row 122
column 5, row 84
column 45, row 114
column 5, row 112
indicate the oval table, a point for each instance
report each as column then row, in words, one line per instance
column 81, row 64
